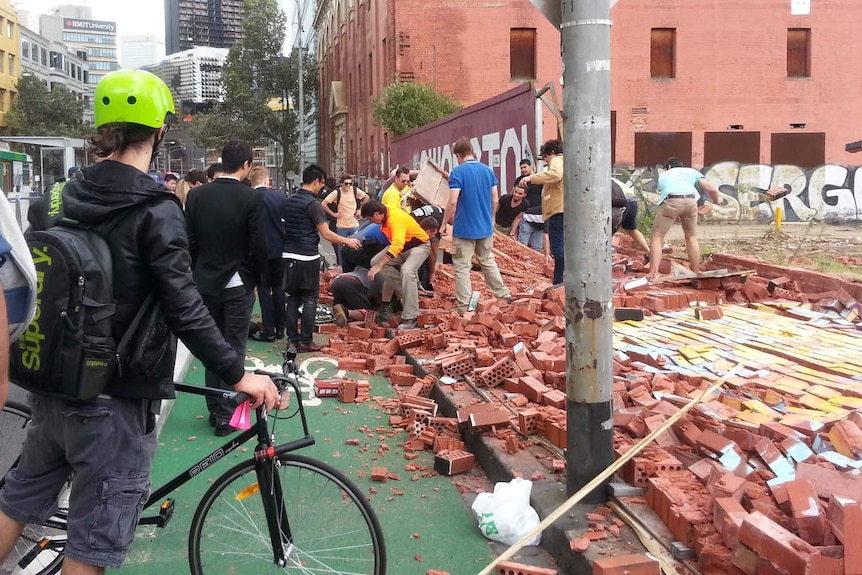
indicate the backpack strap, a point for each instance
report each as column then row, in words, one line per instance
column 132, row 329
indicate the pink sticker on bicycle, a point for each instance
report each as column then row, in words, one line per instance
column 242, row 416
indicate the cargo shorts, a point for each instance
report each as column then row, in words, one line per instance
column 107, row 446
column 673, row 209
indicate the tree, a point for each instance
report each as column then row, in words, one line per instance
column 256, row 75
column 38, row 111
column 407, row 105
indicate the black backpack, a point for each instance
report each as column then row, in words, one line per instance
column 69, row 349
column 618, row 196
column 333, row 206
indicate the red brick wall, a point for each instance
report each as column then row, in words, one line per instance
column 731, row 69
column 471, row 42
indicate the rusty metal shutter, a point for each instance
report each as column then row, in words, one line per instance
column 798, row 52
column 806, row 150
column 663, row 52
column 654, row 148
column 742, row 147
column 522, row 53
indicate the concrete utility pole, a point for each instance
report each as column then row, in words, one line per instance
column 585, row 34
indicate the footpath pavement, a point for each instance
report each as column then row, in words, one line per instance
column 425, row 517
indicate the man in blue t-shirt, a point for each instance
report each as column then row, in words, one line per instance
column 472, row 202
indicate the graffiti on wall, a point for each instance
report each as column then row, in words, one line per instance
column 502, row 151
column 830, row 193
column 501, row 130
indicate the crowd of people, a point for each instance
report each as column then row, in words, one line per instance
column 204, row 244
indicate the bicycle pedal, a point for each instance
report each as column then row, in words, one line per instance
column 166, row 512
column 43, row 545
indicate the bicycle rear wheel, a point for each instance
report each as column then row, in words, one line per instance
column 333, row 529
column 14, row 418
column 37, row 560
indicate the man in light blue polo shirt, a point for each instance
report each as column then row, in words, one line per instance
column 472, row 202
column 678, row 188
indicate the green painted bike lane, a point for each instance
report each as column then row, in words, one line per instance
column 425, row 522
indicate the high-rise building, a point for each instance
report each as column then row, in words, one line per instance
column 137, row 51
column 194, row 76
column 190, row 23
column 74, row 27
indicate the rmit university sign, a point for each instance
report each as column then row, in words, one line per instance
column 89, row 25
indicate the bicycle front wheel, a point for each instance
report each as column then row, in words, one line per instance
column 332, row 526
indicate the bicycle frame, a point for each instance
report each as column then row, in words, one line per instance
column 268, row 482
column 265, row 453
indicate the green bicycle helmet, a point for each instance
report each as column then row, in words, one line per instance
column 133, row 97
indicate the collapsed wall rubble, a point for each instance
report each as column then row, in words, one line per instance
column 761, row 478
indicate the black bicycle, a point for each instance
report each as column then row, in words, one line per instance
column 275, row 512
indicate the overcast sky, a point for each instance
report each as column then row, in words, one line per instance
column 132, row 17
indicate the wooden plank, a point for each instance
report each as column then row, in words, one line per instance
column 608, row 472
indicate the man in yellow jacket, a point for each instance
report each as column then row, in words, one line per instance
column 552, row 202
column 394, row 194
column 399, row 263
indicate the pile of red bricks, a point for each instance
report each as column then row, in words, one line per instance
column 754, row 480
column 747, row 498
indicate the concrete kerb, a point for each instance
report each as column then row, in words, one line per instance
column 181, row 367
column 547, row 494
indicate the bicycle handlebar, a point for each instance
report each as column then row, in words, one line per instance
column 281, row 382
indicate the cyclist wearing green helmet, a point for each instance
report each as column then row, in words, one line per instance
column 108, row 443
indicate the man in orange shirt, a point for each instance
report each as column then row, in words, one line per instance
column 408, row 250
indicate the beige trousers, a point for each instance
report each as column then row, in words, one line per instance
column 462, row 261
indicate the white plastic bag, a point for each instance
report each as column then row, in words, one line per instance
column 506, row 514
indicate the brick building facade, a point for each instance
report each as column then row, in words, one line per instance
column 704, row 80
column 748, row 82
column 461, row 48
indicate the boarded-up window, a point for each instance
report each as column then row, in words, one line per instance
column 662, row 53
column 522, row 53
column 742, row 147
column 805, row 150
column 798, row 52
column 654, row 148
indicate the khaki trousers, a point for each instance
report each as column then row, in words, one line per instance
column 402, row 275
column 462, row 261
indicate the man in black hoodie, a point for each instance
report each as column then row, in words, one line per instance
column 107, row 444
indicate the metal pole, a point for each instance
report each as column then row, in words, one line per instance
column 41, row 171
column 585, row 33
column 301, row 105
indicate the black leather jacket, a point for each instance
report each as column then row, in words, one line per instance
column 144, row 226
